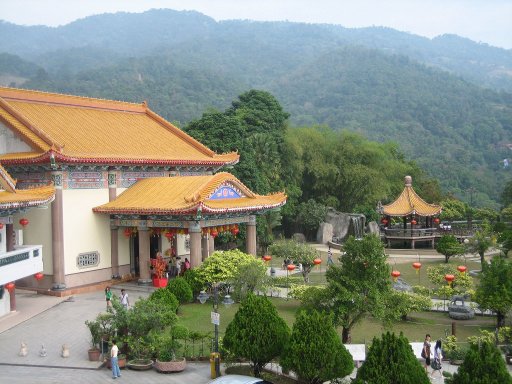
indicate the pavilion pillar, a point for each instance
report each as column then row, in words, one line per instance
column 144, row 275
column 114, row 231
column 205, row 247
column 211, row 245
column 12, row 299
column 9, row 234
column 251, row 235
column 59, row 282
column 194, row 230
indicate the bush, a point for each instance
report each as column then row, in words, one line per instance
column 180, row 288
column 315, row 352
column 483, row 364
column 164, row 297
column 193, row 280
column 391, row 360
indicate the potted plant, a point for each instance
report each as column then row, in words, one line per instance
column 121, row 358
column 457, row 356
column 94, row 352
column 167, row 359
column 159, row 272
column 141, row 351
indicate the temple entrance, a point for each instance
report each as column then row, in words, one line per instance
column 154, row 246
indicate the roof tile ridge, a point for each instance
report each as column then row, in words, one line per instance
column 8, row 179
column 25, row 121
column 171, row 127
column 57, row 95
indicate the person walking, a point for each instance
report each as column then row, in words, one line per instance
column 425, row 352
column 329, row 257
column 108, row 297
column 436, row 363
column 113, row 360
column 124, row 299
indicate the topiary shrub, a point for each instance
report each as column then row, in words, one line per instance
column 165, row 298
column 391, row 360
column 315, row 352
column 192, row 278
column 180, row 288
column 483, row 364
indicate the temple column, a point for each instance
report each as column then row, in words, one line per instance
column 12, row 299
column 194, row 230
column 9, row 237
column 204, row 247
column 251, row 235
column 114, row 231
column 211, row 245
column 144, row 275
column 59, row 280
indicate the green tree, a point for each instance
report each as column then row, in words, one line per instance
column 314, row 351
column 505, row 241
column 256, row 333
column 180, row 288
column 482, row 240
column 297, row 252
column 310, row 215
column 495, row 289
column 449, row 246
column 391, row 360
column 399, row 304
column 506, row 194
column 358, row 287
column 483, row 364
column 224, row 266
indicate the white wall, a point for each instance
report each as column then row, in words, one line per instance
column 85, row 231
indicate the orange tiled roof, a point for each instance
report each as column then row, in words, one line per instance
column 24, row 198
column 410, row 203
column 81, row 129
column 6, row 181
column 187, row 194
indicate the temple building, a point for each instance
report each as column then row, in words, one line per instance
column 118, row 183
column 418, row 218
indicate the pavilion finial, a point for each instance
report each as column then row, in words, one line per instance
column 408, row 181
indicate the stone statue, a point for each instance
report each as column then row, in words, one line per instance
column 23, row 350
column 65, row 350
column 43, row 352
column 460, row 311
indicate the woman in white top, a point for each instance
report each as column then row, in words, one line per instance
column 438, row 356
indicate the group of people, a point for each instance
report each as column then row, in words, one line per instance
column 123, row 298
column 426, row 354
column 176, row 267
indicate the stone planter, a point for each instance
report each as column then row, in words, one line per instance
column 170, row 366
column 456, row 362
column 140, row 364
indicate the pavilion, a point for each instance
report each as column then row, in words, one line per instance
column 120, row 183
column 418, row 217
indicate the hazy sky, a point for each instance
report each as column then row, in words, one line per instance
column 487, row 21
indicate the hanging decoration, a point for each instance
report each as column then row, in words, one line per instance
column 413, row 221
column 1, row 225
column 214, row 232
column 417, row 267
column 10, row 286
column 395, row 274
column 24, row 222
column 267, row 258
column 437, row 220
column 127, row 232
column 317, row 261
column 462, row 269
column 290, row 267
column 384, row 221
column 38, row 276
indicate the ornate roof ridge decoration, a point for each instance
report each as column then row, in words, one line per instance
column 25, row 198
column 6, row 181
column 410, row 203
column 187, row 195
column 79, row 129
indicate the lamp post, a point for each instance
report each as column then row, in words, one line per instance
column 215, row 316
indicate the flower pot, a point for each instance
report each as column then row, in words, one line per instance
column 94, row 354
column 159, row 282
column 170, row 366
column 140, row 364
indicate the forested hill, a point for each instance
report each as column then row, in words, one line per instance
column 184, row 63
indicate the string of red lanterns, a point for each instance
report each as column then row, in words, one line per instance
column 24, row 222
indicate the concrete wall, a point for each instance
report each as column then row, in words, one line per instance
column 9, row 143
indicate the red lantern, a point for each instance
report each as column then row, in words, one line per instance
column 384, row 221
column 38, row 276
column 267, row 257
column 462, row 268
column 1, row 225
column 168, row 235
column 416, row 266
column 395, row 275
column 414, row 222
column 437, row 220
column 214, row 232
column 449, row 278
column 235, row 230
column 24, row 222
column 10, row 286
column 127, row 232
column 317, row 261
column 290, row 267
